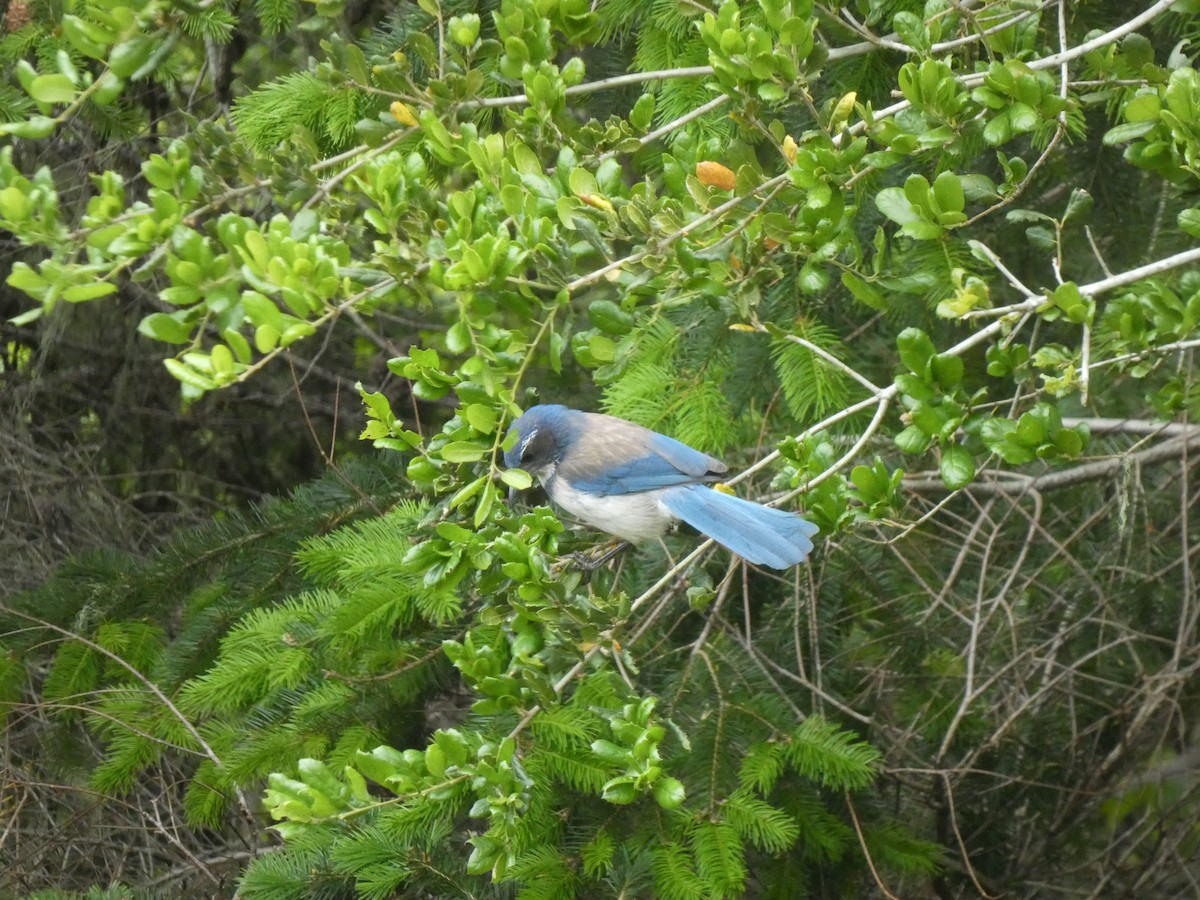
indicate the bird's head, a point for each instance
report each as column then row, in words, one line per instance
column 543, row 435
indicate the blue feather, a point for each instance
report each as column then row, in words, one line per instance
column 607, row 455
column 646, row 473
column 759, row 534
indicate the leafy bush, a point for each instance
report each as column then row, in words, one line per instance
column 926, row 269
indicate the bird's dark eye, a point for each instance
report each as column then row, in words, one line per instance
column 528, row 451
column 535, row 446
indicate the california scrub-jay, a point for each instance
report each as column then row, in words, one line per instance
column 633, row 482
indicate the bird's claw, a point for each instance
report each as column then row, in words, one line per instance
column 593, row 560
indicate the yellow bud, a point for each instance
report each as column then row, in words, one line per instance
column 714, row 174
column 403, row 114
column 596, row 201
column 789, row 149
column 841, row 112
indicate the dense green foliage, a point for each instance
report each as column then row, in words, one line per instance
column 924, row 269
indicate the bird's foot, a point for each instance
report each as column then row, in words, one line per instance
column 589, row 562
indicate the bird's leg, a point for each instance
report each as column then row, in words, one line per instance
column 591, row 561
column 666, row 552
column 616, row 579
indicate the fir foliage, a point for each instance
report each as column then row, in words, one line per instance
column 675, row 876
column 811, row 385
column 276, row 15
column 267, row 117
column 720, row 857
column 302, row 868
column 373, row 856
column 15, row 105
column 768, row 828
column 216, row 23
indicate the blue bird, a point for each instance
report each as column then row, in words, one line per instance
column 633, row 482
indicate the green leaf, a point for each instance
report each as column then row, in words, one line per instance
column 188, row 375
column 916, row 350
column 893, row 203
column 165, row 327
column 463, row 452
column 999, row 129
column 1079, row 206
column 915, row 387
column 108, row 88
column 610, row 752
column 947, row 371
column 948, row 191
column 610, row 318
column 912, row 440
column 26, row 279
column 485, row 855
column 1015, row 454
column 771, row 92
column 864, row 291
column 487, row 501
column 126, row 58
column 305, row 224
column 14, row 204
column 1144, row 106
column 669, row 792
column 911, row 29
column 1189, row 222
column 33, row 128
column 79, row 293
column 866, row 481
column 464, row 29
column 1074, row 305
column 30, row 315
column 1069, row 442
column 1130, row 131
column 481, row 417
column 923, row 231
column 620, row 791
column 55, row 88
column 88, row 39
column 435, row 760
column 602, row 348
column 1031, row 431
column 642, row 113
column 518, row 479
column 582, row 182
column 1023, row 118
column 380, row 764
column 957, row 467
column 222, row 359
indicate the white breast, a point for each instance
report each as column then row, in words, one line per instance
column 631, row 517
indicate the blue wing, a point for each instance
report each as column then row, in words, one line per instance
column 612, row 456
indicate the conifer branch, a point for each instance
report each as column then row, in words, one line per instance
column 150, row 686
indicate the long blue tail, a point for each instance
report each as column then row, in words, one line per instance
column 760, row 534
